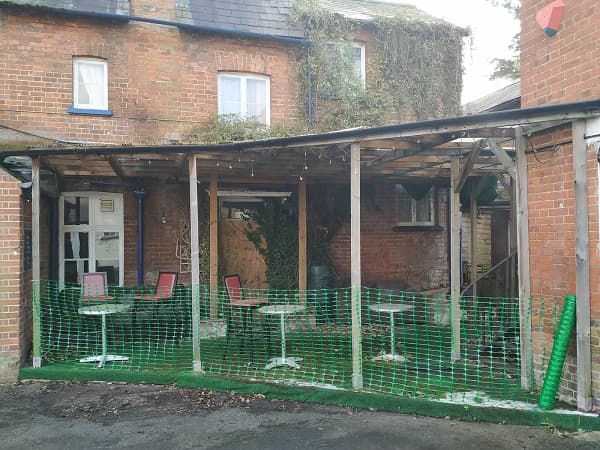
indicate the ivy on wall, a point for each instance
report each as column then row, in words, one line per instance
column 414, row 69
column 273, row 229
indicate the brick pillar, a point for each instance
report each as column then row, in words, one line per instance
column 10, row 277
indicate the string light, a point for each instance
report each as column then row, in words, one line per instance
column 230, row 166
column 218, row 163
column 252, row 168
column 305, row 164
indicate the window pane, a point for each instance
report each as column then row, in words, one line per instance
column 424, row 209
column 76, row 245
column 357, row 58
column 74, row 269
column 256, row 91
column 76, row 211
column 404, row 204
column 91, row 83
column 230, row 95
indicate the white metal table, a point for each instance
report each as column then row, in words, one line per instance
column 282, row 311
column 103, row 311
column 391, row 309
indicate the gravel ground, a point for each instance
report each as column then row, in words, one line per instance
column 109, row 415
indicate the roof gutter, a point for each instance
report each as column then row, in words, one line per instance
column 169, row 23
column 460, row 126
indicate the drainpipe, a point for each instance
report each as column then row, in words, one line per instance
column 309, row 87
column 139, row 195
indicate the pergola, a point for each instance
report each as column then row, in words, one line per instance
column 445, row 151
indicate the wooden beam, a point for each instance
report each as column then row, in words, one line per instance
column 582, row 261
column 523, row 258
column 36, row 263
column 474, row 194
column 214, row 247
column 195, row 253
column 357, row 376
column 302, row 240
column 503, row 157
column 116, row 166
column 455, row 219
column 468, row 166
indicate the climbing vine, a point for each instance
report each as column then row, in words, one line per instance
column 414, row 70
column 273, row 229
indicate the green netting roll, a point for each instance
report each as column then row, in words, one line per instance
column 557, row 358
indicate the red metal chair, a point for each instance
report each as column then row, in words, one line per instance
column 159, row 305
column 243, row 328
column 164, row 289
column 94, row 287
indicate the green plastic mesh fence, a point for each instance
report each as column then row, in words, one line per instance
column 300, row 338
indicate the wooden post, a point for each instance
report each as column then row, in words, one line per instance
column 455, row 218
column 523, row 262
column 512, row 243
column 36, row 266
column 302, row 246
column 195, row 241
column 357, row 376
column 474, row 261
column 582, row 261
column 214, row 248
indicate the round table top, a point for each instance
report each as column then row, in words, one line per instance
column 99, row 310
column 390, row 307
column 281, row 309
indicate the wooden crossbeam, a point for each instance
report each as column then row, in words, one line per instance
column 467, row 167
column 503, row 157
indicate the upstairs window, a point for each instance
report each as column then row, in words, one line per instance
column 414, row 205
column 90, row 86
column 246, row 97
column 345, row 71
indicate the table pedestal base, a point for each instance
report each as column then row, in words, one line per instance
column 287, row 361
column 101, row 359
column 390, row 357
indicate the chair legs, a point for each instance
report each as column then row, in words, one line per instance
column 244, row 329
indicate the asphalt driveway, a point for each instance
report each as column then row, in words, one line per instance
column 101, row 415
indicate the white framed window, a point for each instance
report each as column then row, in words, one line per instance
column 245, row 96
column 415, row 208
column 91, row 236
column 90, row 84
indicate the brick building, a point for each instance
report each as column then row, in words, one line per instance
column 139, row 73
column 559, row 69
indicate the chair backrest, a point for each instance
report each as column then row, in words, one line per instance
column 165, row 285
column 234, row 287
column 93, row 285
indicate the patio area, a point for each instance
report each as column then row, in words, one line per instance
column 158, row 339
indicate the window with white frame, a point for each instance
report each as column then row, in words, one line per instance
column 90, row 84
column 414, row 205
column 348, row 56
column 244, row 96
column 91, row 236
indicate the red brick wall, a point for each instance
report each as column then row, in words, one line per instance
column 10, row 276
column 561, row 69
column 418, row 258
column 162, row 81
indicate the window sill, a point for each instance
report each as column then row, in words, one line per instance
column 401, row 228
column 90, row 112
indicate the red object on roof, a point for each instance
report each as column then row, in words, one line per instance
column 549, row 17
